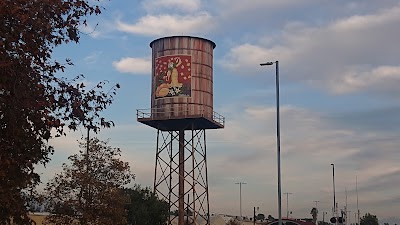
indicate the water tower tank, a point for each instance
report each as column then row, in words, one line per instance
column 181, row 111
column 182, row 82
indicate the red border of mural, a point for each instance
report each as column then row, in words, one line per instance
column 173, row 76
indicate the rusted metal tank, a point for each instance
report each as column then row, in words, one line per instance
column 182, row 77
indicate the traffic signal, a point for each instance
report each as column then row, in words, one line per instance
column 333, row 220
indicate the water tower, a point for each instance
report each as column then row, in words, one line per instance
column 181, row 111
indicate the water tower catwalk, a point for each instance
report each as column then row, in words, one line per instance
column 181, row 111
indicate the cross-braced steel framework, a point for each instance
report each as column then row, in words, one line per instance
column 181, row 175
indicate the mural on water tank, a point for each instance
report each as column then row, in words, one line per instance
column 173, row 76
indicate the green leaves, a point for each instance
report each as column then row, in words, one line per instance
column 369, row 219
column 144, row 207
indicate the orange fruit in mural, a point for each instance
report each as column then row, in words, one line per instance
column 163, row 92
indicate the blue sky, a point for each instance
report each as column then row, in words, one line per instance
column 339, row 73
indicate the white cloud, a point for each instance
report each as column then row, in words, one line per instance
column 68, row 144
column 246, row 149
column 355, row 50
column 159, row 25
column 93, row 57
column 247, row 57
column 233, row 8
column 310, row 142
column 133, row 65
column 305, row 132
column 372, row 79
column 360, row 22
column 163, row 5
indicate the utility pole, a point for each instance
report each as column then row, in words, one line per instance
column 337, row 211
column 348, row 217
column 345, row 208
column 355, row 217
column 334, row 194
column 316, row 207
column 358, row 210
column 287, row 203
column 254, row 215
column 240, row 198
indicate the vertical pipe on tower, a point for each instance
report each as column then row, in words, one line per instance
column 193, row 176
column 171, row 161
column 181, row 177
column 205, row 160
column 157, row 153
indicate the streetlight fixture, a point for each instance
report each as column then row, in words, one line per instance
column 278, row 139
column 240, row 197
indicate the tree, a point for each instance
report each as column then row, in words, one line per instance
column 271, row 218
column 35, row 104
column 369, row 219
column 144, row 207
column 233, row 222
column 89, row 191
column 314, row 214
column 260, row 216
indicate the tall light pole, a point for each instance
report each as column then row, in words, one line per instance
column 334, row 192
column 240, row 197
column 287, row 203
column 278, row 139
